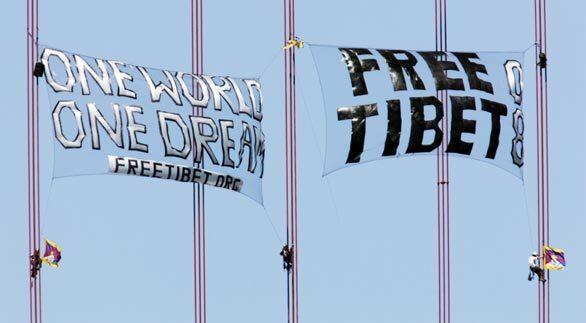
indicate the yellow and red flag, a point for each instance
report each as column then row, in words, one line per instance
column 554, row 259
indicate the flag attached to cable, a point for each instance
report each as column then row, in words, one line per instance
column 554, row 259
column 294, row 42
column 52, row 254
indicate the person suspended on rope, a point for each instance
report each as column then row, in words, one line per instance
column 542, row 60
column 39, row 69
column 287, row 254
column 35, row 263
column 535, row 268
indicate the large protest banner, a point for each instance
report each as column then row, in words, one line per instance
column 384, row 103
column 113, row 117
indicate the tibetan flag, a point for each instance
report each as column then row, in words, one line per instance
column 52, row 254
column 555, row 259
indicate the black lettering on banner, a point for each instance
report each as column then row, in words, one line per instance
column 471, row 69
column 144, row 167
column 256, row 99
column 103, row 81
column 66, row 143
column 393, row 127
column 132, row 165
column 237, row 185
column 357, row 67
column 185, row 174
column 118, row 164
column 49, row 75
column 259, row 148
column 358, row 115
column 156, row 90
column 220, row 92
column 196, row 172
column 496, row 110
column 170, row 172
column 156, row 169
column 246, row 142
column 397, row 66
column 202, row 140
column 134, row 128
column 202, row 89
column 120, row 77
column 515, row 80
column 439, row 70
column 227, row 142
column 96, row 118
column 175, row 118
column 219, row 181
column 419, row 125
column 519, row 127
column 205, row 181
column 460, row 125
column 229, row 180
column 242, row 107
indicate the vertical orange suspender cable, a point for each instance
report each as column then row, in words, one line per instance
column 542, row 151
column 33, row 158
column 443, row 188
column 290, row 157
column 199, row 252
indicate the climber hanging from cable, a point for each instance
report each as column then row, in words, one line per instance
column 542, row 63
column 535, row 268
column 39, row 69
column 35, row 263
column 51, row 257
column 287, row 254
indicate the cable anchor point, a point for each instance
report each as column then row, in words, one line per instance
column 294, row 42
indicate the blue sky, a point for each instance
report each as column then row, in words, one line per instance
column 367, row 238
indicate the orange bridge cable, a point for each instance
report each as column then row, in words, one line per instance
column 537, row 50
column 290, row 157
column 195, row 236
column 29, row 159
column 442, row 168
column 198, row 190
column 201, row 190
column 546, row 150
column 29, row 144
column 37, row 153
column 543, row 151
column 545, row 180
column 447, row 177
column 294, row 163
column 287, row 199
column 438, row 162
column 33, row 158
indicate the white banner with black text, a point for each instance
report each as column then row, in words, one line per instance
column 385, row 103
column 117, row 118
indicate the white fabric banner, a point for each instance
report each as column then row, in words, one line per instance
column 385, row 103
column 113, row 117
